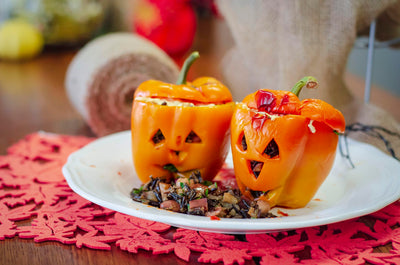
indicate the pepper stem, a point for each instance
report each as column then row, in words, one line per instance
column 185, row 68
column 308, row 82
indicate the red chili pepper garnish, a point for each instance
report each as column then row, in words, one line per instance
column 282, row 213
column 258, row 121
column 266, row 101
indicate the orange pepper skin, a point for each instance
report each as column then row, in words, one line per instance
column 209, row 119
column 304, row 144
column 206, row 90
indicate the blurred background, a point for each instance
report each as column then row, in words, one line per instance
column 70, row 23
column 386, row 70
column 30, row 28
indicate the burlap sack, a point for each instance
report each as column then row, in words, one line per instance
column 388, row 24
column 279, row 42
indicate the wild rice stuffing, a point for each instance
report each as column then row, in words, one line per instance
column 197, row 197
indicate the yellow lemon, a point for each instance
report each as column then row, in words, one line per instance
column 19, row 40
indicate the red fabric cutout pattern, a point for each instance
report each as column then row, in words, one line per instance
column 32, row 188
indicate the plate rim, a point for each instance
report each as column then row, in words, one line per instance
column 202, row 223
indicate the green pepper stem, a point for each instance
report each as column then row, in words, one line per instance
column 185, row 68
column 308, row 82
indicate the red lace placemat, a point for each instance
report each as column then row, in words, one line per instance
column 33, row 188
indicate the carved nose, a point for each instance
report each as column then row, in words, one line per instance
column 177, row 156
column 255, row 167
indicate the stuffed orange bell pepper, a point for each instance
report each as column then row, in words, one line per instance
column 179, row 128
column 284, row 148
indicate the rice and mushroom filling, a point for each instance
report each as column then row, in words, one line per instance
column 194, row 196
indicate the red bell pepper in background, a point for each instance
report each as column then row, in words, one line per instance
column 171, row 24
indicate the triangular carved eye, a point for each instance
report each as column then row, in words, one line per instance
column 243, row 143
column 158, row 137
column 272, row 149
column 193, row 138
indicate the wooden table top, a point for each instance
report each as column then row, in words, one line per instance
column 33, row 98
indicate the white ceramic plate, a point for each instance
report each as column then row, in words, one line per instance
column 103, row 173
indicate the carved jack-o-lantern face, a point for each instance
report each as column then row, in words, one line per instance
column 186, row 138
column 264, row 156
column 279, row 152
column 183, row 128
